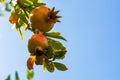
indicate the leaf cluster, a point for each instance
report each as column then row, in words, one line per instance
column 29, row 75
column 56, row 51
column 16, row 77
column 20, row 12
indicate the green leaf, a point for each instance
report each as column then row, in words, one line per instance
column 39, row 4
column 29, row 74
column 23, row 18
column 55, row 35
column 56, row 45
column 8, row 78
column 50, row 52
column 16, row 76
column 19, row 24
column 57, row 49
column 27, row 2
column 49, row 66
column 60, row 54
column 7, row 7
column 60, row 66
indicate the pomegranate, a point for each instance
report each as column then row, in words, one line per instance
column 43, row 19
column 37, row 44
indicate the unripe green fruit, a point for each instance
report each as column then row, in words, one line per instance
column 37, row 41
column 43, row 19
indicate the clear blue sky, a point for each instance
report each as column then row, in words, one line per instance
column 92, row 28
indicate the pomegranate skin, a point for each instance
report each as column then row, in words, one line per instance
column 39, row 19
column 37, row 41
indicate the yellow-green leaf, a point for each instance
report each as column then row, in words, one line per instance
column 21, row 34
column 55, row 35
column 43, row 67
column 29, row 74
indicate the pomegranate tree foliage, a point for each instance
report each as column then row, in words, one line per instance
column 29, row 75
column 20, row 11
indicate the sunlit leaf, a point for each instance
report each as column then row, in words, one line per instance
column 27, row 2
column 60, row 54
column 56, row 45
column 60, row 66
column 55, row 35
column 39, row 4
column 18, row 26
column 43, row 67
column 21, row 34
column 29, row 74
column 23, row 18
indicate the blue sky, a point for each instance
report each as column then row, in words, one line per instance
column 92, row 28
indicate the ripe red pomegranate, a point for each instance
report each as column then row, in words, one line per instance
column 37, row 42
column 43, row 19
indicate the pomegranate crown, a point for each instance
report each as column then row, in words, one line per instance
column 52, row 16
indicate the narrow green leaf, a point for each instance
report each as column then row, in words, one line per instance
column 27, row 2
column 60, row 66
column 55, row 35
column 8, row 78
column 16, row 76
column 19, row 24
column 21, row 34
column 43, row 67
column 39, row 4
